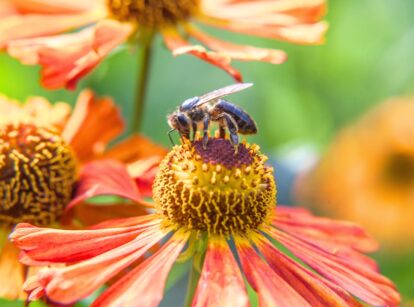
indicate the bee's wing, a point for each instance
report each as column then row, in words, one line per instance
column 234, row 88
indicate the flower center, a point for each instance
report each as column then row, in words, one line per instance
column 215, row 190
column 399, row 169
column 153, row 13
column 37, row 174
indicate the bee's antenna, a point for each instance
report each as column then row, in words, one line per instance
column 169, row 136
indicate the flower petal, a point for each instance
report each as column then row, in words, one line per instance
column 74, row 282
column 105, row 177
column 53, row 6
column 291, row 20
column 11, row 273
column 65, row 59
column 359, row 280
column 300, row 34
column 271, row 288
column 91, row 214
column 15, row 26
column 145, row 283
column 221, row 283
column 238, row 52
column 7, row 9
column 324, row 229
column 345, row 239
column 135, row 147
column 179, row 46
column 55, row 246
column 94, row 122
column 309, row 10
column 316, row 290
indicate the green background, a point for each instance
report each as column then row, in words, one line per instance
column 367, row 57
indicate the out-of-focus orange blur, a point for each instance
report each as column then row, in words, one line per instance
column 367, row 175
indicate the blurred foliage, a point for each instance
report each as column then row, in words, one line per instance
column 367, row 58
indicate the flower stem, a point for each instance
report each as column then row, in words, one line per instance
column 195, row 271
column 192, row 283
column 143, row 76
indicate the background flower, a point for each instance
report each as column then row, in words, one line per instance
column 31, row 31
column 367, row 175
column 45, row 152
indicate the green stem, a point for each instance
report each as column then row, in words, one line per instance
column 143, row 76
column 192, row 282
column 196, row 267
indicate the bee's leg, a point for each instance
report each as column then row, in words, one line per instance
column 206, row 123
column 222, row 130
column 194, row 126
column 233, row 129
column 169, row 135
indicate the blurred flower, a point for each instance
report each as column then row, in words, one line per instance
column 204, row 197
column 46, row 151
column 31, row 30
column 367, row 175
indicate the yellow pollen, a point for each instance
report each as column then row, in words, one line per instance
column 153, row 14
column 220, row 194
column 37, row 174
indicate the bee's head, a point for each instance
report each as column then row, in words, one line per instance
column 172, row 120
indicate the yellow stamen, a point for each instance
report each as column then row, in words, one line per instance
column 153, row 14
column 37, row 172
column 220, row 194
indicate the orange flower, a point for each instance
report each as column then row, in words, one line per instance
column 45, row 153
column 204, row 197
column 31, row 30
column 367, row 175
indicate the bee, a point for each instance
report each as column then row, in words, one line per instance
column 198, row 112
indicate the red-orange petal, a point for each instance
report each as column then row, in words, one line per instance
column 69, row 284
column 47, row 245
column 179, row 46
column 145, row 284
column 11, row 273
column 65, row 59
column 244, row 9
column 134, row 148
column 93, row 124
column 7, row 9
column 54, row 7
column 316, row 290
column 271, row 288
column 105, row 177
column 362, row 281
column 343, row 233
column 220, row 283
column 300, row 34
column 92, row 213
column 14, row 26
column 238, row 52
column 290, row 20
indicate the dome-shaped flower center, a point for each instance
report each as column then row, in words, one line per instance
column 153, row 14
column 37, row 173
column 216, row 189
column 399, row 169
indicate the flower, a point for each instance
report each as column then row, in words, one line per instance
column 369, row 168
column 45, row 153
column 205, row 199
column 32, row 30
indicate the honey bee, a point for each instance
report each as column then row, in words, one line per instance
column 200, row 111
